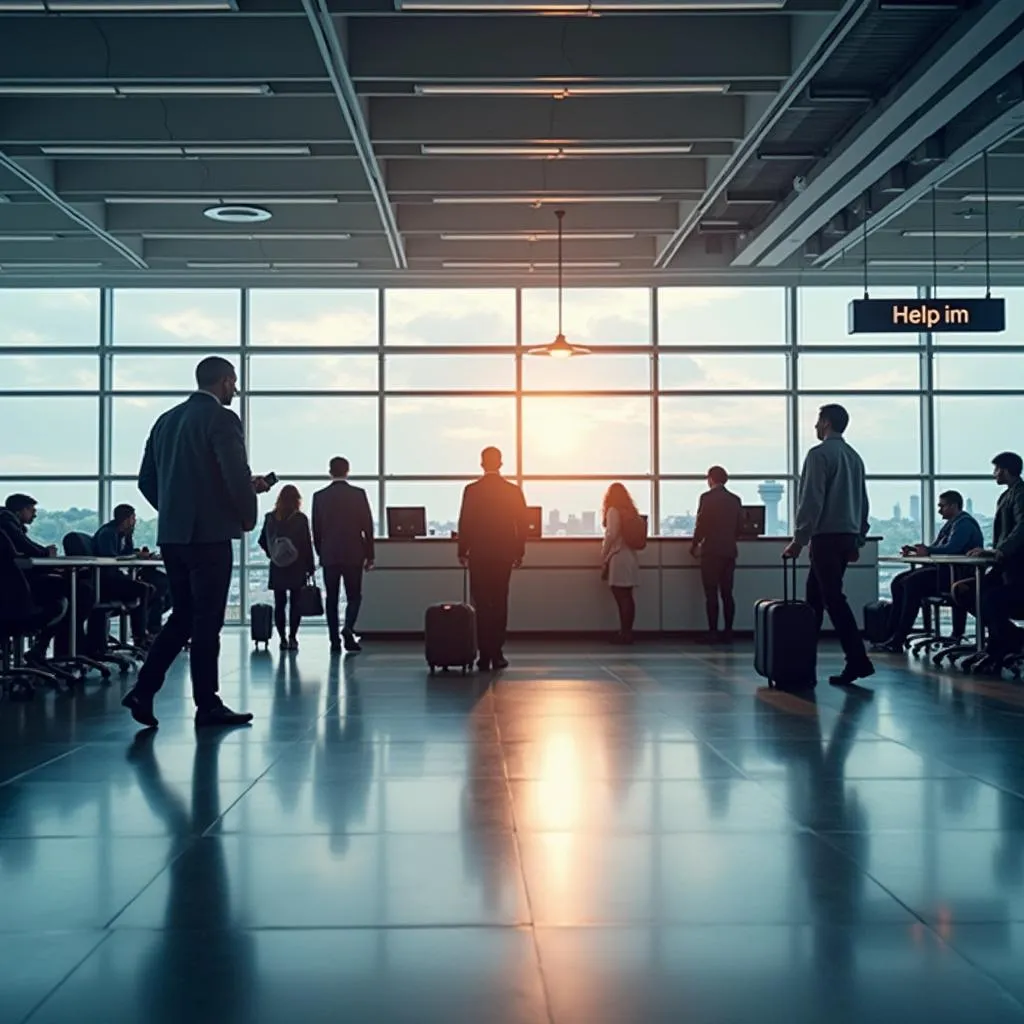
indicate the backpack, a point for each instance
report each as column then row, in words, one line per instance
column 282, row 551
column 634, row 532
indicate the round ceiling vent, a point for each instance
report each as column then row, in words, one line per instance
column 237, row 214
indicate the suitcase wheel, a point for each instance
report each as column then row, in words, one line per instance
column 464, row 670
column 432, row 669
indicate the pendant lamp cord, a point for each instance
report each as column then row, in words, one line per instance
column 560, row 214
column 935, row 246
column 988, row 262
column 865, row 244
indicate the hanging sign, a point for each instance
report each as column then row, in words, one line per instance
column 910, row 316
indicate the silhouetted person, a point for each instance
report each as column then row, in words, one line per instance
column 285, row 541
column 719, row 521
column 620, row 564
column 195, row 473
column 343, row 538
column 832, row 516
column 492, row 541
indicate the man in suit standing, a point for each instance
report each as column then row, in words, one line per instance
column 343, row 538
column 492, row 542
column 719, row 521
column 195, row 473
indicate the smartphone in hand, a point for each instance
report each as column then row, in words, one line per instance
column 271, row 479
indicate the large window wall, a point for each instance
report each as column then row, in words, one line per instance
column 411, row 384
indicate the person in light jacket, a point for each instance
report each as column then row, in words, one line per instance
column 620, row 564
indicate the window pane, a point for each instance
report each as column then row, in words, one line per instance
column 1014, row 318
column 299, row 436
column 722, row 316
column 885, row 431
column 49, row 316
column 980, row 497
column 62, row 508
column 573, row 507
column 160, row 373
column 860, row 371
column 313, row 316
column 445, row 436
column 895, row 518
column 448, row 372
column 176, row 316
column 679, row 500
column 49, row 373
column 586, row 435
column 594, row 373
column 956, row 371
column 450, row 316
column 722, row 373
column 969, row 431
column 312, row 373
column 441, row 498
column 745, row 435
column 49, row 436
column 823, row 317
column 132, row 420
column 590, row 316
column 126, row 492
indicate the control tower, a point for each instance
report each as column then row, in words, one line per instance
column 770, row 494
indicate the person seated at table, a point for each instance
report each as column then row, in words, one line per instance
column 959, row 534
column 16, row 516
column 114, row 540
column 1002, row 586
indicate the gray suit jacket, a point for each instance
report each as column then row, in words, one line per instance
column 196, row 475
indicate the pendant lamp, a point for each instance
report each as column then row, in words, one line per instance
column 559, row 348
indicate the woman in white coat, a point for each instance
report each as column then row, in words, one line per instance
column 620, row 564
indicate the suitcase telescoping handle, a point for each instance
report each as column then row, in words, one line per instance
column 785, row 578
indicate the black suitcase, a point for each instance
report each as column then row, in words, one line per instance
column 877, row 621
column 450, row 635
column 261, row 624
column 786, row 640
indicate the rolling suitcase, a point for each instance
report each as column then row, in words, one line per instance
column 450, row 635
column 877, row 621
column 786, row 639
column 261, row 624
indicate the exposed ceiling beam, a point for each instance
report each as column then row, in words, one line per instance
column 428, row 218
column 981, row 49
column 73, row 213
column 818, row 52
column 615, row 119
column 701, row 47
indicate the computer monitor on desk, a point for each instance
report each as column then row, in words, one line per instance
column 407, row 523
column 752, row 524
column 533, row 521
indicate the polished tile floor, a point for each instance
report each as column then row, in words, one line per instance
column 597, row 836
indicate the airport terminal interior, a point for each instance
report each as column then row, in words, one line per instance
column 623, row 241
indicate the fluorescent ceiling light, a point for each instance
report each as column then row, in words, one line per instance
column 211, row 265
column 7, row 265
column 316, row 265
column 550, row 236
column 139, row 6
column 557, row 152
column 164, row 150
column 57, row 90
column 785, row 156
column 27, row 238
column 246, row 150
column 997, row 197
column 548, row 265
column 21, row 5
column 284, row 265
column 238, row 214
column 595, row 6
column 76, row 89
column 234, row 236
column 220, row 201
column 558, row 91
column 945, row 262
column 962, row 234
column 540, row 200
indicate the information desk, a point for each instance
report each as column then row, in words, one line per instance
column 559, row 587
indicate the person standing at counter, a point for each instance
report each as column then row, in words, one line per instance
column 832, row 517
column 620, row 564
column 492, row 542
column 719, row 521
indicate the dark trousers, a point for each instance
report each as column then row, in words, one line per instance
column 716, row 576
column 200, row 578
column 48, row 588
column 116, row 586
column 286, row 607
column 160, row 599
column 1000, row 602
column 488, row 586
column 830, row 554
column 352, row 577
column 626, row 603
column 909, row 590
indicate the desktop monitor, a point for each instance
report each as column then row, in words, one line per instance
column 533, row 521
column 752, row 524
column 405, row 523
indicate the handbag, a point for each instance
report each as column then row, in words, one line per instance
column 311, row 601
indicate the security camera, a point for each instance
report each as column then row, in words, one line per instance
column 799, row 183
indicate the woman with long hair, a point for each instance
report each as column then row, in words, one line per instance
column 286, row 540
column 620, row 564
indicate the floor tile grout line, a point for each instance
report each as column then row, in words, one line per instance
column 43, row 764
column 104, row 936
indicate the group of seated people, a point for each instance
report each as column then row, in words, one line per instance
column 146, row 595
column 1002, row 586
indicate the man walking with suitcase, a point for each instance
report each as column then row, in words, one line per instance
column 832, row 517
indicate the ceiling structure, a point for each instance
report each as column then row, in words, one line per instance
column 430, row 141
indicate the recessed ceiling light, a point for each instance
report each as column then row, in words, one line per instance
column 954, row 233
column 995, row 197
column 139, row 6
column 247, row 150
column 238, row 214
column 282, row 265
column 111, row 150
column 161, row 149
column 562, row 92
column 556, row 152
column 148, row 89
column 27, row 238
column 540, row 200
column 220, row 200
column 224, row 265
column 69, row 265
column 548, row 236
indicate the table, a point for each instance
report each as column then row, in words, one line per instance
column 73, row 564
column 979, row 562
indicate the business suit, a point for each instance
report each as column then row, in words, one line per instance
column 719, row 521
column 343, row 539
column 492, row 536
column 196, row 475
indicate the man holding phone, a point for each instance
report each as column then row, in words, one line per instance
column 195, row 473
